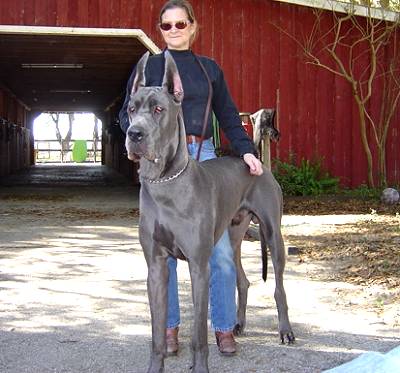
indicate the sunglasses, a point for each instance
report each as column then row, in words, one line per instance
column 179, row 25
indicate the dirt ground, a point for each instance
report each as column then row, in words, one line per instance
column 73, row 285
column 362, row 239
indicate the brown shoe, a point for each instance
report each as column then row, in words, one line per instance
column 172, row 341
column 226, row 343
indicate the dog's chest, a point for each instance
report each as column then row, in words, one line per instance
column 166, row 239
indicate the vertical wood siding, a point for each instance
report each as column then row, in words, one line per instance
column 317, row 116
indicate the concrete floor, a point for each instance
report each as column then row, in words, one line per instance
column 66, row 175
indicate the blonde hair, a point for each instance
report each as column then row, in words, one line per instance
column 187, row 7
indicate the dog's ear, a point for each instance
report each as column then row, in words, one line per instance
column 140, row 79
column 172, row 82
column 255, row 120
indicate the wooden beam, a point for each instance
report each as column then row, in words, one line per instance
column 82, row 31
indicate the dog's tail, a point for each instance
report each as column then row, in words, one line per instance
column 264, row 254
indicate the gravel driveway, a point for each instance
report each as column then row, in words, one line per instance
column 73, row 295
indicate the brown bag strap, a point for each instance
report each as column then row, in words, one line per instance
column 208, row 107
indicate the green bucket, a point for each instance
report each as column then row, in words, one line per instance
column 79, row 151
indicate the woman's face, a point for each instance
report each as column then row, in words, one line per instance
column 178, row 39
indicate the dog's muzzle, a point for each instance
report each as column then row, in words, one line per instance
column 135, row 144
column 272, row 132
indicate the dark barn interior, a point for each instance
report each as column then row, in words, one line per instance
column 55, row 69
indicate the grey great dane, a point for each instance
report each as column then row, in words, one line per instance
column 185, row 206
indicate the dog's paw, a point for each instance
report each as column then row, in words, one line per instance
column 238, row 329
column 287, row 338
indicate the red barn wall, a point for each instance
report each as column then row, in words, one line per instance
column 317, row 117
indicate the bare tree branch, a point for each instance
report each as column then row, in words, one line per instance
column 355, row 48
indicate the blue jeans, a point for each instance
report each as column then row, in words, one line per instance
column 222, row 272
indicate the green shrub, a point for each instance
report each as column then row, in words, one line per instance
column 363, row 191
column 306, row 179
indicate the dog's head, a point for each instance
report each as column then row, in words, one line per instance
column 153, row 113
column 263, row 122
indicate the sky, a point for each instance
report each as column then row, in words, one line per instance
column 82, row 128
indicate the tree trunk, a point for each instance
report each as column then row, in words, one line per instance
column 95, row 137
column 364, row 140
column 67, row 139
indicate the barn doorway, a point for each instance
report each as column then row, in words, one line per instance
column 64, row 138
column 71, row 70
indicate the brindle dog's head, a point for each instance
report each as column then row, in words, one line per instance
column 152, row 133
column 263, row 122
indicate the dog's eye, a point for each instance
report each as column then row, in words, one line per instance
column 158, row 109
column 131, row 109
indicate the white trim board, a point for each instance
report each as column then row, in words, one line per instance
column 343, row 7
column 82, row 31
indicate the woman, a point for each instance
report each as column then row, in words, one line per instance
column 178, row 27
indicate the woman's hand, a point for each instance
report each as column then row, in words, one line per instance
column 254, row 164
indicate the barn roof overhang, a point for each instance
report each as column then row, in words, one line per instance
column 69, row 69
column 348, row 6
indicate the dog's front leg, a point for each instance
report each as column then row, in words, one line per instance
column 199, row 274
column 157, row 281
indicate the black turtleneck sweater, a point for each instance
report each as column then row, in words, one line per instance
column 195, row 88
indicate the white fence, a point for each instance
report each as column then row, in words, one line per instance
column 49, row 151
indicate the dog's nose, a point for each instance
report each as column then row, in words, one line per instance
column 135, row 135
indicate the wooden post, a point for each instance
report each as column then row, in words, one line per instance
column 266, row 152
